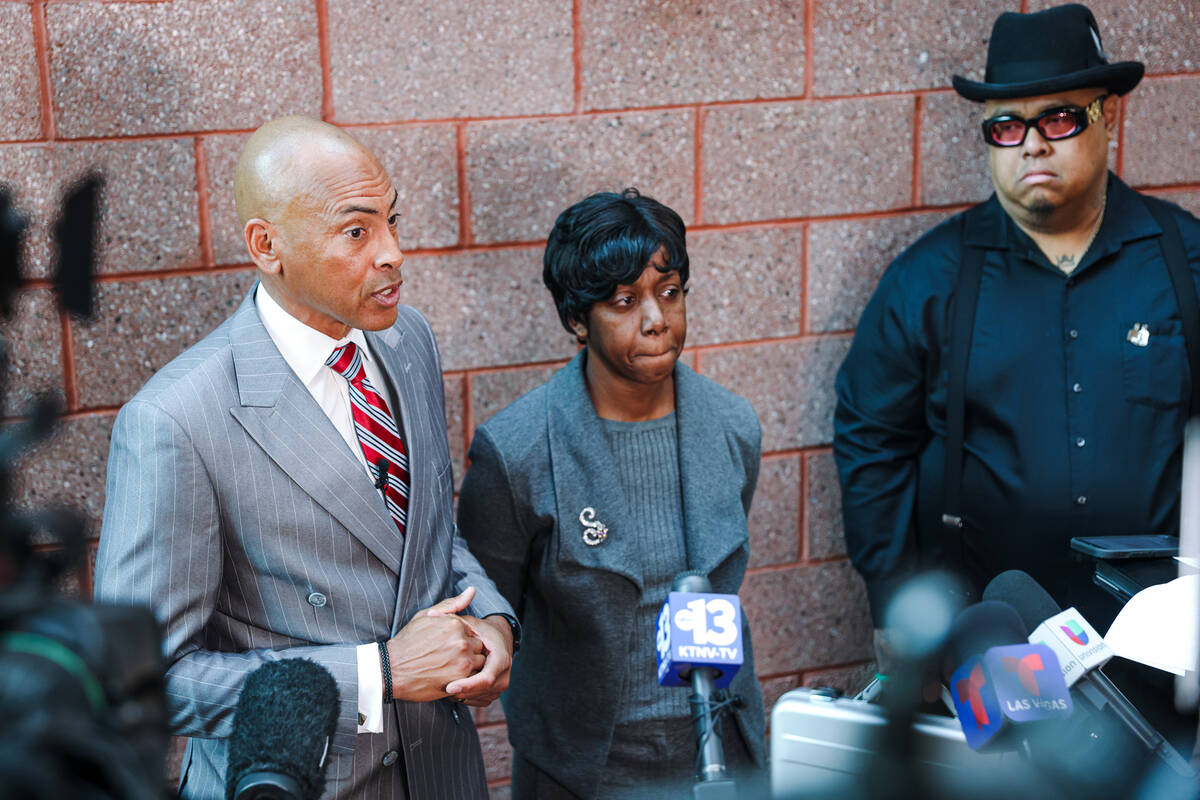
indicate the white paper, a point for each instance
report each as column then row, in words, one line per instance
column 1158, row 626
column 1187, row 691
column 1189, row 500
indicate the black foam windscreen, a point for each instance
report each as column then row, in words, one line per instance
column 285, row 718
column 692, row 581
column 75, row 234
column 1033, row 604
column 12, row 228
column 979, row 627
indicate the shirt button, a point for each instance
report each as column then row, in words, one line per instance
column 390, row 757
column 1080, row 500
column 317, row 600
column 1074, row 334
column 1070, row 283
column 1080, row 442
column 1077, row 388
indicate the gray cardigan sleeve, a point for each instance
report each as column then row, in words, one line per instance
column 492, row 521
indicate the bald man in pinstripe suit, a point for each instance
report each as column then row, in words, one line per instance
column 243, row 508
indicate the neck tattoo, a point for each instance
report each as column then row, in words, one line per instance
column 1066, row 262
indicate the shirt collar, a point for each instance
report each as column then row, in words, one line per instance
column 987, row 227
column 1125, row 219
column 304, row 349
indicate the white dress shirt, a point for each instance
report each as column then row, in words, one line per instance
column 305, row 350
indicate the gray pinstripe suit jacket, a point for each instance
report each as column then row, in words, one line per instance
column 233, row 507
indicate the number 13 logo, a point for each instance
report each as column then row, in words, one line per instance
column 721, row 631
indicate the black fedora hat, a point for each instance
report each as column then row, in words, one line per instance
column 1049, row 51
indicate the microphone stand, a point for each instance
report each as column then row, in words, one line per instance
column 711, row 782
column 1151, row 739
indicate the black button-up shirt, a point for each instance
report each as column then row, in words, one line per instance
column 1076, row 397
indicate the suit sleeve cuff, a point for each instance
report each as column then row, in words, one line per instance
column 879, row 593
column 370, row 689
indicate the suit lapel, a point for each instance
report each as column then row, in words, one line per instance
column 280, row 415
column 713, row 518
column 585, row 477
column 408, row 392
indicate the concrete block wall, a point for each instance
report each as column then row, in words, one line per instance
column 804, row 143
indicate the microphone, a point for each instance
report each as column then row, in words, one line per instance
column 1080, row 649
column 1001, row 684
column 698, row 630
column 699, row 640
column 1082, row 653
column 284, row 721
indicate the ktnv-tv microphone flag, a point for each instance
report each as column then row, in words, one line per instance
column 697, row 628
column 282, row 727
column 1000, row 685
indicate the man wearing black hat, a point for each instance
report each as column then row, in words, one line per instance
column 1021, row 375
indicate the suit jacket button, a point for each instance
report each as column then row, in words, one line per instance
column 317, row 600
column 390, row 757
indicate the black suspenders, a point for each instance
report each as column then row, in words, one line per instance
column 1185, row 293
column 966, row 300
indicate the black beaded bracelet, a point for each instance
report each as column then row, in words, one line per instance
column 386, row 665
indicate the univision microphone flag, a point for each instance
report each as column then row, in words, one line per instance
column 1084, row 642
column 1078, row 646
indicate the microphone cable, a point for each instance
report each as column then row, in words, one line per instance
column 716, row 711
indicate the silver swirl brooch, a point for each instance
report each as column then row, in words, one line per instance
column 594, row 531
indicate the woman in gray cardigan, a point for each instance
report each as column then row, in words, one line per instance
column 589, row 494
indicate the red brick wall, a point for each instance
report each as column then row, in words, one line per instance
column 805, row 144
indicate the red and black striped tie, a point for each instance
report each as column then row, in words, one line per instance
column 376, row 430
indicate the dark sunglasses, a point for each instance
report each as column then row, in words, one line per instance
column 1009, row 130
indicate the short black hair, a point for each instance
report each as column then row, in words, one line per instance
column 606, row 240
